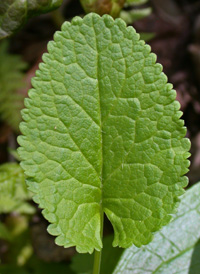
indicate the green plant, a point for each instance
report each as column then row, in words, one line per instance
column 11, row 79
column 102, row 135
column 14, row 204
column 132, row 15
column 112, row 7
column 115, row 8
column 133, row 12
column 14, row 194
column 14, row 13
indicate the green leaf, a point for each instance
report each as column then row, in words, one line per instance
column 14, row 13
column 133, row 15
column 102, row 134
column 19, row 248
column 136, row 2
column 176, row 249
column 83, row 263
column 11, row 79
column 13, row 190
column 147, row 36
column 4, row 233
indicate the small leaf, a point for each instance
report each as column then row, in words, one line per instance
column 14, row 13
column 112, row 7
column 102, row 134
column 133, row 15
column 11, row 79
column 175, row 249
column 136, row 2
column 13, row 190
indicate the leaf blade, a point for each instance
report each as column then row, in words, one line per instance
column 101, row 111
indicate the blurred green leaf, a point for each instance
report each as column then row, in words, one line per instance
column 14, row 13
column 4, row 233
column 136, row 2
column 12, row 269
column 13, row 190
column 11, row 79
column 19, row 248
column 175, row 249
column 147, row 36
column 133, row 15
column 112, row 7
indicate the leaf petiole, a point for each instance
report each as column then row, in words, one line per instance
column 97, row 254
column 97, row 262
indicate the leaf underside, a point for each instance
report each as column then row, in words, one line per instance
column 173, row 250
column 102, row 132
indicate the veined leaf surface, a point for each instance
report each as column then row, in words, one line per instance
column 174, row 249
column 102, row 134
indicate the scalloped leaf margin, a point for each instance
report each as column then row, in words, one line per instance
column 102, row 134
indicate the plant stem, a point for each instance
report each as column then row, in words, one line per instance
column 97, row 254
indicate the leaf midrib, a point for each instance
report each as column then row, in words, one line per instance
column 101, row 137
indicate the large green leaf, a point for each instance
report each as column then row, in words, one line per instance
column 102, row 134
column 13, row 190
column 176, row 249
column 14, row 13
